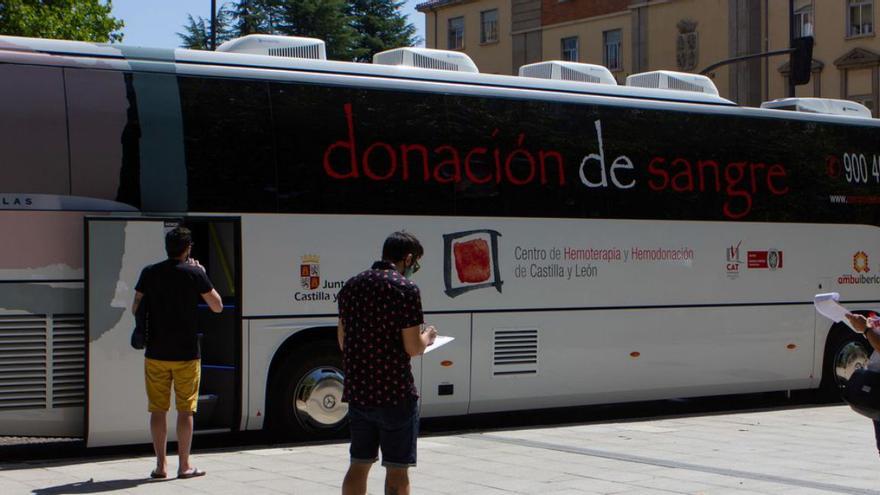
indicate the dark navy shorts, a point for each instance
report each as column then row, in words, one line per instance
column 394, row 429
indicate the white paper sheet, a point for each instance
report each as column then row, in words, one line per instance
column 827, row 305
column 439, row 341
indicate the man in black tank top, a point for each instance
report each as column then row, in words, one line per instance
column 172, row 290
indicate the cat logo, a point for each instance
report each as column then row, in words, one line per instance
column 310, row 272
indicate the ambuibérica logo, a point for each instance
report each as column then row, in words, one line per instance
column 862, row 267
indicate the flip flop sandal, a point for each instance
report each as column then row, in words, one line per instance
column 192, row 473
column 157, row 475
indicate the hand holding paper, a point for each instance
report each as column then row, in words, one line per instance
column 827, row 305
column 440, row 341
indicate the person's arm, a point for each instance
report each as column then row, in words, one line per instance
column 206, row 288
column 137, row 301
column 415, row 341
column 340, row 334
column 860, row 325
column 215, row 302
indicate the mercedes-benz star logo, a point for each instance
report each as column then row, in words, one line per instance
column 329, row 401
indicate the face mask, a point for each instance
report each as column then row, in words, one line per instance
column 411, row 270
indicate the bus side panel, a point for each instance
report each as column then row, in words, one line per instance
column 264, row 339
column 587, row 357
column 446, row 371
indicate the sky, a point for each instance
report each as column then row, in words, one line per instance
column 155, row 23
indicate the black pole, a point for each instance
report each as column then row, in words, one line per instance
column 214, row 24
column 744, row 57
column 791, row 45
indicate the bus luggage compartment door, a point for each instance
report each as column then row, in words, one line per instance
column 116, row 251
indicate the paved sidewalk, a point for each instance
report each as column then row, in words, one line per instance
column 800, row 451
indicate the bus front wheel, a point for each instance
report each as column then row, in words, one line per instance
column 845, row 352
column 308, row 393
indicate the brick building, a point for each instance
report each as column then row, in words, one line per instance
column 630, row 36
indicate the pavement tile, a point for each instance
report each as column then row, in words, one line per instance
column 784, row 451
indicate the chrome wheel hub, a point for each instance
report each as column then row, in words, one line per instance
column 318, row 399
column 851, row 357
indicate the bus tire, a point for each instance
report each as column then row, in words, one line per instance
column 307, row 393
column 845, row 352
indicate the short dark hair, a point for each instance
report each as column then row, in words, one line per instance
column 399, row 244
column 177, row 240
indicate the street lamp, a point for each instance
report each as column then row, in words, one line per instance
column 213, row 25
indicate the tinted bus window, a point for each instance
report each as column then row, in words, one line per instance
column 229, row 143
column 362, row 151
column 33, row 131
column 104, row 135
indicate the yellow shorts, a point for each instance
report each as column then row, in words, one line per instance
column 185, row 375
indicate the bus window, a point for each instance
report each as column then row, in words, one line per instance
column 230, row 157
column 363, row 150
column 33, row 132
column 104, row 135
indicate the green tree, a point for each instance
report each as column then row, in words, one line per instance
column 256, row 16
column 353, row 30
column 84, row 20
column 380, row 26
column 325, row 19
column 197, row 31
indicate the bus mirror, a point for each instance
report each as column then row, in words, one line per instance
column 801, row 60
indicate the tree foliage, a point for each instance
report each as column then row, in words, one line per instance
column 324, row 19
column 380, row 26
column 197, row 31
column 84, row 20
column 352, row 30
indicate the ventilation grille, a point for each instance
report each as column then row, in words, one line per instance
column 683, row 85
column 42, row 361
column 307, row 51
column 573, row 75
column 645, row 81
column 515, row 352
column 424, row 62
column 23, row 362
column 394, row 58
column 68, row 361
column 543, row 71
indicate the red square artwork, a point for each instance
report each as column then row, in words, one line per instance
column 472, row 261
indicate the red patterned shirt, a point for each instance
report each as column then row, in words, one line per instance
column 375, row 306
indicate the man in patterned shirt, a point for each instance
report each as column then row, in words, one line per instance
column 380, row 330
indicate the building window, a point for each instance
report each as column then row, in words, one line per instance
column 612, row 49
column 803, row 18
column 489, row 26
column 456, row 33
column 860, row 17
column 687, row 44
column 570, row 49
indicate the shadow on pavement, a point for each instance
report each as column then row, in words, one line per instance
column 74, row 452
column 91, row 486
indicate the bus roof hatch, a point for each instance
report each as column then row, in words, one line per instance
column 820, row 105
column 426, row 58
column 568, row 71
column 276, row 46
column 667, row 79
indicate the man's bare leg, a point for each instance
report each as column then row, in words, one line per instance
column 159, row 432
column 184, row 439
column 355, row 482
column 396, row 481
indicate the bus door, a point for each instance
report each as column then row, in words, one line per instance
column 116, row 251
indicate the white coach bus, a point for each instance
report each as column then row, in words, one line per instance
column 586, row 242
